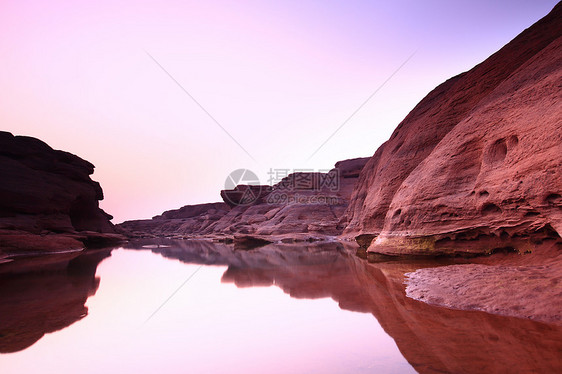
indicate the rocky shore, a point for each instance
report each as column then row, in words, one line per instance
column 524, row 286
column 475, row 169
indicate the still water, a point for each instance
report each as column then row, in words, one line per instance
column 199, row 307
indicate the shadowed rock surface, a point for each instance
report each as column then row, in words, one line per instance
column 477, row 158
column 47, row 200
column 302, row 206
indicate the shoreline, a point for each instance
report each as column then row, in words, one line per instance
column 521, row 285
column 525, row 285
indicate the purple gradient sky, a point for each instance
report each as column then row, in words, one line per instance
column 280, row 76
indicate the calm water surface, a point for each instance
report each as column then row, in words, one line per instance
column 210, row 325
column 199, row 307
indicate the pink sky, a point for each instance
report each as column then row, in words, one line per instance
column 279, row 76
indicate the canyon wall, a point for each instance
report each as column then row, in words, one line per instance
column 478, row 158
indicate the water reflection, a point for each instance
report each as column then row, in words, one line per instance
column 38, row 303
column 433, row 339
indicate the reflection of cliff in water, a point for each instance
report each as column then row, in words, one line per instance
column 433, row 339
column 34, row 304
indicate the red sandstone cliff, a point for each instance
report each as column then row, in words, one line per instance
column 478, row 158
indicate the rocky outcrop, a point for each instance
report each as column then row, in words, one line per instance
column 442, row 340
column 477, row 158
column 47, row 200
column 245, row 195
column 185, row 221
column 520, row 286
column 302, row 206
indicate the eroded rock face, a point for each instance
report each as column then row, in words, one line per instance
column 47, row 196
column 478, row 158
column 302, row 206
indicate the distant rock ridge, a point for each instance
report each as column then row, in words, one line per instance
column 178, row 223
column 302, row 206
column 478, row 158
column 47, row 200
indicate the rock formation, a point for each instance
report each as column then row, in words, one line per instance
column 302, row 206
column 443, row 340
column 47, row 200
column 185, row 221
column 503, row 283
column 478, row 158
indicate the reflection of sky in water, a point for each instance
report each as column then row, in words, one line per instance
column 207, row 327
column 226, row 319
